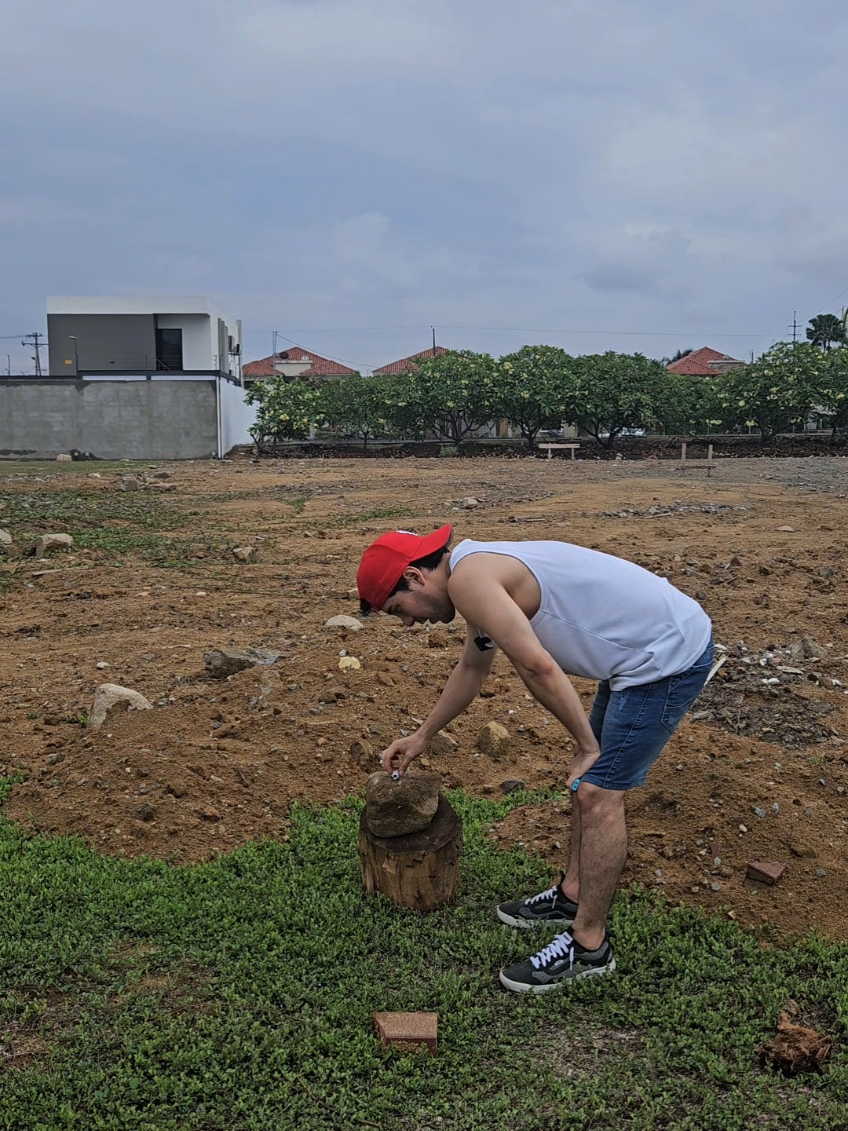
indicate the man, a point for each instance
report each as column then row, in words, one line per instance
column 555, row 608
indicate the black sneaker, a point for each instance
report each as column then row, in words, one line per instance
column 548, row 908
column 564, row 960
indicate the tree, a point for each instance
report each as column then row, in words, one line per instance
column 361, row 405
column 834, row 392
column 611, row 392
column 288, row 410
column 530, row 388
column 688, row 405
column 451, row 395
column 779, row 389
column 826, row 329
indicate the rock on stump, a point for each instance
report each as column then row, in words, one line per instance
column 417, row 869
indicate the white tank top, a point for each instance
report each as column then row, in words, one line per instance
column 603, row 617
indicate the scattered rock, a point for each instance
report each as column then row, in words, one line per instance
column 469, row 504
column 109, row 695
column 162, row 475
column 363, row 754
column 812, row 649
column 130, row 483
column 786, row 529
column 385, row 679
column 442, row 743
column 101, row 665
column 397, row 808
column 242, row 553
column 759, row 812
column 349, row 663
column 765, row 872
column 5, row 538
column 221, row 662
column 344, row 624
column 207, row 813
column 46, row 542
column 437, row 639
column 163, row 486
column 63, row 457
column 145, row 812
column 512, row 785
column 494, row 740
column 795, row 1048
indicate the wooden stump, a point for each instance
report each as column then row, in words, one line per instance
column 420, row 870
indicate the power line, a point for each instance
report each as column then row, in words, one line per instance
column 522, row 330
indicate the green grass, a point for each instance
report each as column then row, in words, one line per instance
column 238, row 995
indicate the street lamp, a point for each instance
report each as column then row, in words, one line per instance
column 76, row 355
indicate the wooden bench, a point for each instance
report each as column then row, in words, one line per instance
column 550, row 447
column 708, row 463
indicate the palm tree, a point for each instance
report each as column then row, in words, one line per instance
column 825, row 329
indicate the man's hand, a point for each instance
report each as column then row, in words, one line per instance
column 401, row 752
column 583, row 760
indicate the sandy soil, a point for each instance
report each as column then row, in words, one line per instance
column 216, row 763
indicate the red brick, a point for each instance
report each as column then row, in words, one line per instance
column 765, row 872
column 406, row 1030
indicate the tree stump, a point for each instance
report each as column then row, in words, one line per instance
column 419, row 870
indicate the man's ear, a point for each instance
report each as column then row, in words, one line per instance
column 413, row 574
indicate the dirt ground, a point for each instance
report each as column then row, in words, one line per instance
column 757, row 773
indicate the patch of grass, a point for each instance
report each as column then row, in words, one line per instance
column 367, row 516
column 238, row 995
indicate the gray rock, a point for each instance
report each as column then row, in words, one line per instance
column 63, row 457
column 130, row 483
column 221, row 662
column 813, row 650
column 242, row 553
column 821, row 873
column 512, row 785
column 344, row 624
column 469, row 504
column 397, row 808
column 363, row 754
column 5, row 538
column 110, row 695
column 442, row 743
column 494, row 740
column 759, row 812
column 46, row 542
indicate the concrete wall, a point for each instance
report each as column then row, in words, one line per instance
column 237, row 417
column 113, row 419
column 104, row 341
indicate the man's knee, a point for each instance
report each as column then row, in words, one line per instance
column 596, row 801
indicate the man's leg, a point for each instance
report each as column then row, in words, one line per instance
column 571, row 884
column 601, row 852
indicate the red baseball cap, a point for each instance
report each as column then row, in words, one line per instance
column 385, row 560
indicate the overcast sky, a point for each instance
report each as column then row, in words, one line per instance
column 600, row 174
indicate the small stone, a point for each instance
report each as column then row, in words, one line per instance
column 821, row 873
column 343, row 623
column 5, row 538
column 244, row 553
column 786, row 529
column 130, row 483
column 349, row 663
column 812, row 649
column 63, row 457
column 163, row 486
column 743, row 828
column 398, row 808
column 101, row 665
column 110, row 695
column 221, row 662
column 207, row 813
column 469, row 504
column 161, row 475
column 442, row 743
column 759, row 812
column 765, row 872
column 46, row 542
column 55, row 758
column 145, row 812
column 826, row 573
column 437, row 639
column 385, row 679
column 511, row 785
column 363, row 754
column 494, row 740
column 775, row 808
column 715, row 886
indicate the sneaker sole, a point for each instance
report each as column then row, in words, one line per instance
column 525, row 988
column 524, row 924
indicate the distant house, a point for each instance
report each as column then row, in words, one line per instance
column 405, row 364
column 295, row 362
column 704, row 362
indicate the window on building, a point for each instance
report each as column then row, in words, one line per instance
column 169, row 349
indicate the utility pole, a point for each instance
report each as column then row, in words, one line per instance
column 37, row 358
column 794, row 327
column 433, row 328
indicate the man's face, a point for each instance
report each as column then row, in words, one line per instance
column 425, row 600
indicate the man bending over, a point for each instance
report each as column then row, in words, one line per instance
column 555, row 608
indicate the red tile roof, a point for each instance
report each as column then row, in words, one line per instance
column 704, row 362
column 320, row 367
column 404, row 364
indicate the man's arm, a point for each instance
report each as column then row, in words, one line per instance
column 462, row 687
column 484, row 600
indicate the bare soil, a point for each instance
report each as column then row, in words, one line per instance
column 218, row 763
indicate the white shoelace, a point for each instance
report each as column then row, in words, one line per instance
column 549, row 894
column 561, row 947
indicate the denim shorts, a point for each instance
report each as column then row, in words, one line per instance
column 632, row 726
